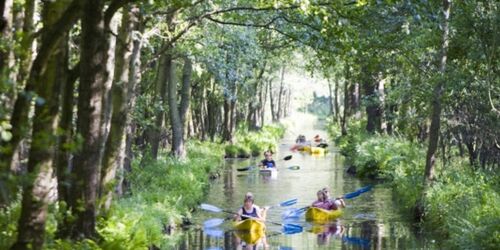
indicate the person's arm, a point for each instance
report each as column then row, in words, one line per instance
column 340, row 202
column 237, row 216
column 262, row 212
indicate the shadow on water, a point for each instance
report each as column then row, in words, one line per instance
column 370, row 221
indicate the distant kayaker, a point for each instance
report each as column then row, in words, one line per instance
column 268, row 162
column 249, row 209
column 301, row 139
column 333, row 204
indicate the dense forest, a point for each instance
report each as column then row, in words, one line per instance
column 93, row 90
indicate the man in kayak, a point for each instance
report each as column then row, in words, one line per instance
column 332, row 204
column 268, row 162
column 321, row 202
column 249, row 209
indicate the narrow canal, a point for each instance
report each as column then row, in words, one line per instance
column 370, row 221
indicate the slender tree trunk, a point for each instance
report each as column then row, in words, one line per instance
column 93, row 76
column 330, row 100
column 436, row 112
column 161, row 96
column 63, row 153
column 272, row 101
column 336, row 102
column 280, row 105
column 134, row 78
column 372, row 105
column 347, row 101
column 31, row 227
column 115, row 143
column 178, row 114
column 24, row 57
column 263, row 102
column 107, row 99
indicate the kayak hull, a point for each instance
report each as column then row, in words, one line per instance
column 270, row 172
column 320, row 215
column 317, row 151
column 249, row 225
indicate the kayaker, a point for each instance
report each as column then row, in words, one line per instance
column 268, row 162
column 321, row 201
column 332, row 204
column 249, row 209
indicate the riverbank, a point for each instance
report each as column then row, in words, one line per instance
column 162, row 196
column 463, row 205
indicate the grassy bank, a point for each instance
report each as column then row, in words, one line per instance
column 162, row 195
column 463, row 205
column 254, row 143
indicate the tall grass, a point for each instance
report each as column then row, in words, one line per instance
column 463, row 204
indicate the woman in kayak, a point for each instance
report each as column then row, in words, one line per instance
column 268, row 162
column 332, row 204
column 249, row 209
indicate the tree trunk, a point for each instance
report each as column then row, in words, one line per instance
column 278, row 115
column 24, row 57
column 31, row 227
column 372, row 104
column 336, row 102
column 134, row 78
column 347, row 101
column 107, row 99
column 436, row 112
column 93, row 76
column 263, row 102
column 330, row 100
column 272, row 101
column 161, row 96
column 115, row 143
column 178, row 114
column 63, row 153
column 19, row 119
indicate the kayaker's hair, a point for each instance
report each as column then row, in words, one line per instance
column 249, row 197
column 268, row 152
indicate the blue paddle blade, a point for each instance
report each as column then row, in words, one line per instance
column 293, row 213
column 356, row 241
column 213, row 222
column 294, row 167
column 288, row 203
column 292, row 229
column 210, row 208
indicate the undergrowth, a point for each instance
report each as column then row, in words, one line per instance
column 463, row 204
column 254, row 143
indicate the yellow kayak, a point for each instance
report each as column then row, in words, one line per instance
column 250, row 237
column 317, row 151
column 250, row 225
column 320, row 215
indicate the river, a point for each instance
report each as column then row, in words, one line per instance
column 370, row 221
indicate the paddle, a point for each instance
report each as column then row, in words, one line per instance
column 288, row 157
column 213, row 222
column 217, row 221
column 300, row 211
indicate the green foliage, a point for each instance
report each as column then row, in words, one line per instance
column 162, row 193
column 8, row 224
column 463, row 204
column 254, row 143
